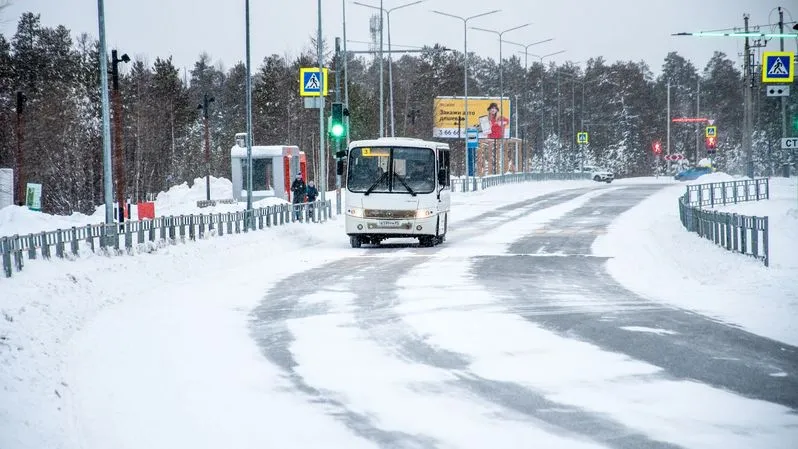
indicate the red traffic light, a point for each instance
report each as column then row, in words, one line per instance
column 711, row 142
column 657, row 147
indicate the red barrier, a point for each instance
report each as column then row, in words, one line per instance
column 146, row 210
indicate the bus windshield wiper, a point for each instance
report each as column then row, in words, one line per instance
column 402, row 180
column 376, row 183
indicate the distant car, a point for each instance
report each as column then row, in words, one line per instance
column 692, row 173
column 599, row 174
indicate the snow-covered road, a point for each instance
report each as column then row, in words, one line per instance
column 512, row 334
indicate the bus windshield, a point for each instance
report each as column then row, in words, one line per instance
column 391, row 170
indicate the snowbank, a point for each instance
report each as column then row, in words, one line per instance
column 178, row 200
column 654, row 256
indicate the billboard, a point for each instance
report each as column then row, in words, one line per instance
column 484, row 114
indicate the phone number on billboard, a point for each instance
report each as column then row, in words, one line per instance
column 447, row 132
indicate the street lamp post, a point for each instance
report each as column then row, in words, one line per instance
column 501, row 87
column 106, row 128
column 119, row 166
column 526, row 48
column 390, row 60
column 206, row 101
column 465, row 20
column 526, row 68
column 542, row 130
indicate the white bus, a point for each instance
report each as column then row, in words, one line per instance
column 397, row 188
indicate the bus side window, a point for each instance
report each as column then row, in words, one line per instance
column 443, row 166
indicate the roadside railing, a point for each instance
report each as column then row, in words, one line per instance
column 474, row 183
column 736, row 233
column 114, row 237
column 169, row 229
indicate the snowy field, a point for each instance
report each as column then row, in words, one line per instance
column 94, row 350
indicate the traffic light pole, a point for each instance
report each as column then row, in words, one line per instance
column 338, row 141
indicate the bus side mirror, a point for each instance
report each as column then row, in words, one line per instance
column 442, row 177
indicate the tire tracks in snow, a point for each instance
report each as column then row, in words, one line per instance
column 376, row 295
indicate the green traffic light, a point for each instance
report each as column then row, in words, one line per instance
column 337, row 130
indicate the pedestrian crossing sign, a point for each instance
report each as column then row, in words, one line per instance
column 778, row 67
column 712, row 131
column 311, row 83
column 581, row 138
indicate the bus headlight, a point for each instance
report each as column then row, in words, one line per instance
column 354, row 212
column 424, row 213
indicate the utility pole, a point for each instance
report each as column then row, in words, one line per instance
column 516, row 135
column 108, row 189
column 573, row 111
column 697, row 114
column 322, row 155
column 119, row 153
column 20, row 171
column 783, row 99
column 249, row 119
column 668, row 134
column 346, row 74
column 747, row 107
column 382, row 94
column 206, row 100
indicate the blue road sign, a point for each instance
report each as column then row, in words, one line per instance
column 777, row 67
column 311, row 82
column 473, row 138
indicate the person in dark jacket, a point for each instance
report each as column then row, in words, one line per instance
column 298, row 190
column 312, row 194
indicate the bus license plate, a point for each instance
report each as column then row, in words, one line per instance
column 388, row 223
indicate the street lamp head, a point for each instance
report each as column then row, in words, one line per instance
column 500, row 33
column 465, row 19
column 526, row 46
column 125, row 58
column 485, row 30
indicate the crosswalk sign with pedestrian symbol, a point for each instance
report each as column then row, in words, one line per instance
column 311, row 83
column 581, row 138
column 777, row 67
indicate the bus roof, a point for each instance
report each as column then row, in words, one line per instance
column 398, row 141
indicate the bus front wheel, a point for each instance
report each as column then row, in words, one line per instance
column 427, row 241
column 355, row 241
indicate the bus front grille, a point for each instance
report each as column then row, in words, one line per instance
column 386, row 213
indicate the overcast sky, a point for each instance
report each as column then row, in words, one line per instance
column 616, row 29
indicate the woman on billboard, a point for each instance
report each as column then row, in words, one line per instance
column 492, row 125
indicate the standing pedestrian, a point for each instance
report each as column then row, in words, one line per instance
column 299, row 190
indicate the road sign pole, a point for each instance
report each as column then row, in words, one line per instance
column 323, row 79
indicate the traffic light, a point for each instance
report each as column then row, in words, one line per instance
column 657, row 147
column 337, row 121
column 711, row 143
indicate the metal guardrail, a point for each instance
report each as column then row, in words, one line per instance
column 474, row 183
column 115, row 236
column 737, row 233
column 728, row 192
column 13, row 249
